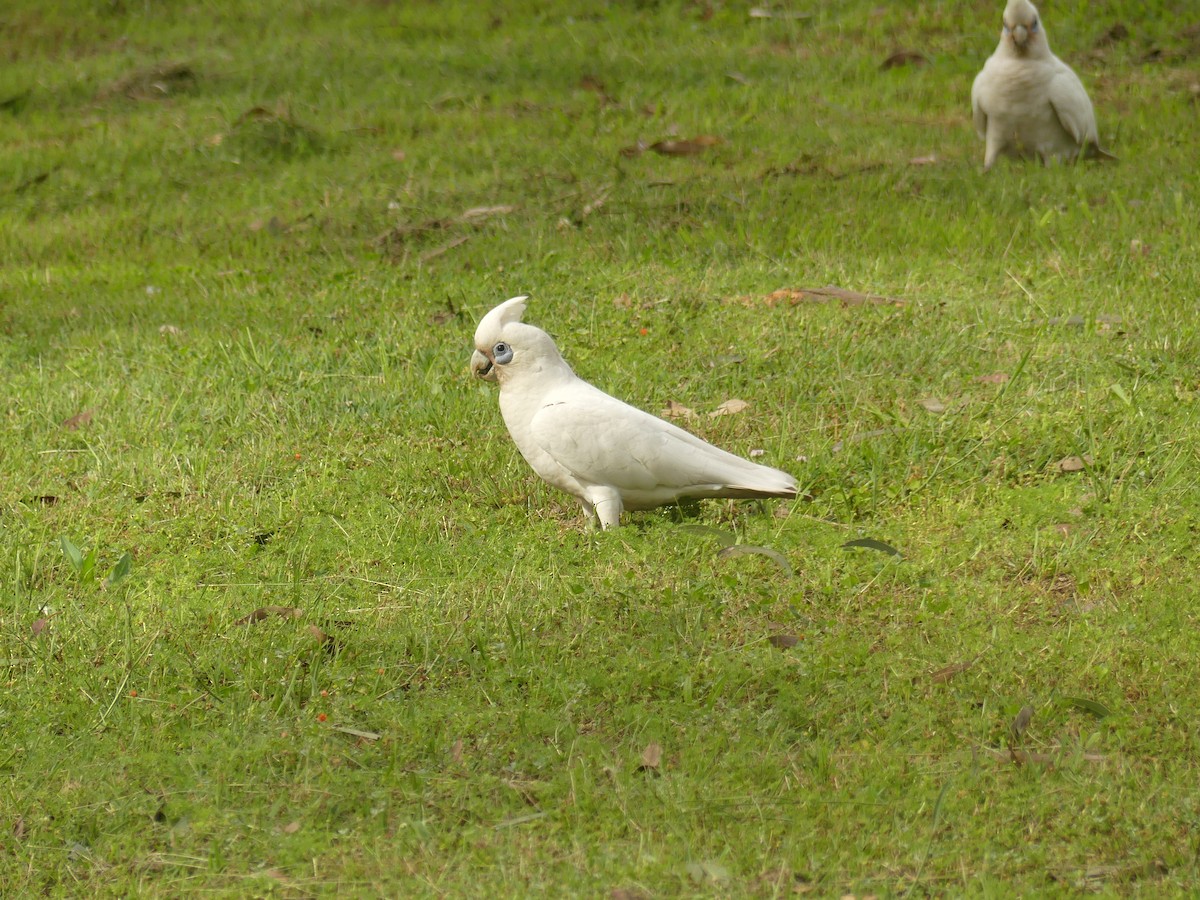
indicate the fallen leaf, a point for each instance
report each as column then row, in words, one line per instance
column 456, row 751
column 783, row 641
column 358, row 732
column 929, row 160
column 1020, row 723
column 753, row 550
column 633, row 150
column 317, row 633
column 678, row 411
column 933, row 406
column 1097, row 709
column 39, row 625
column 871, row 544
column 479, row 213
column 828, row 294
column 18, row 828
column 1073, row 463
column 398, row 155
column 291, row 827
column 265, row 612
column 904, row 58
column 730, row 407
column 994, row 378
column 445, row 248
column 78, row 420
column 1115, row 34
column 707, row 872
column 691, row 147
column 765, row 12
column 945, row 673
column 651, row 757
column 627, row 894
column 154, row 82
column 170, row 330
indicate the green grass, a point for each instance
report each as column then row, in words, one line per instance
column 235, row 238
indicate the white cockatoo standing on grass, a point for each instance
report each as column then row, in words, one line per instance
column 1028, row 103
column 608, row 454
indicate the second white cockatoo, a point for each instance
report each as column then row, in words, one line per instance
column 1026, row 102
column 610, row 455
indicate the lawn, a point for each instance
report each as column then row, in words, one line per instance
column 284, row 613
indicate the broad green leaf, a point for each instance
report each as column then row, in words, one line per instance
column 74, row 557
column 121, row 570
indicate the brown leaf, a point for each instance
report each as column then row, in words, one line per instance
column 651, row 757
column 265, row 612
column 692, row 147
column 1073, row 463
column 678, row 411
column 730, row 407
column 78, row 420
column 828, row 294
column 18, row 828
column 1021, row 722
column 994, row 378
column 445, row 248
column 783, row 641
column 1115, row 34
column 154, row 82
column 932, row 405
column 456, row 751
column 929, row 160
column 291, row 827
column 320, row 635
column 170, row 330
column 39, row 626
column 904, row 58
column 945, row 673
column 399, row 155
column 480, row 213
column 633, row 150
column 765, row 12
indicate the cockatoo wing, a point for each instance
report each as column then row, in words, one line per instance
column 602, row 441
column 978, row 114
column 1070, row 102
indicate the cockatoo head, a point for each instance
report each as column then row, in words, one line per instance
column 1023, row 29
column 506, row 348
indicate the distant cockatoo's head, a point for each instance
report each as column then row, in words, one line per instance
column 1023, row 29
column 506, row 347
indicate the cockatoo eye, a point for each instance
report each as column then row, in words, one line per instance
column 1006, row 30
column 1034, row 26
column 502, row 353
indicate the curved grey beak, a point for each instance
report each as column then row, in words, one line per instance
column 481, row 367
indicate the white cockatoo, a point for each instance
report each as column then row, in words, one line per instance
column 1028, row 103
column 605, row 452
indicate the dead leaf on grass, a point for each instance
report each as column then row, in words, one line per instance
column 929, row 160
column 358, row 732
column 266, row 612
column 153, row 83
column 933, row 405
column 765, row 12
column 692, row 147
column 994, row 378
column 39, row 625
column 1073, row 463
column 730, row 407
column 945, row 673
column 754, row 550
column 904, row 58
column 783, row 641
column 1020, row 723
column 651, row 757
column 78, row 420
column 445, row 248
column 291, row 827
column 828, row 294
column 456, row 751
column 678, row 411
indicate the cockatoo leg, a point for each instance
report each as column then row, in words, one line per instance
column 606, row 502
